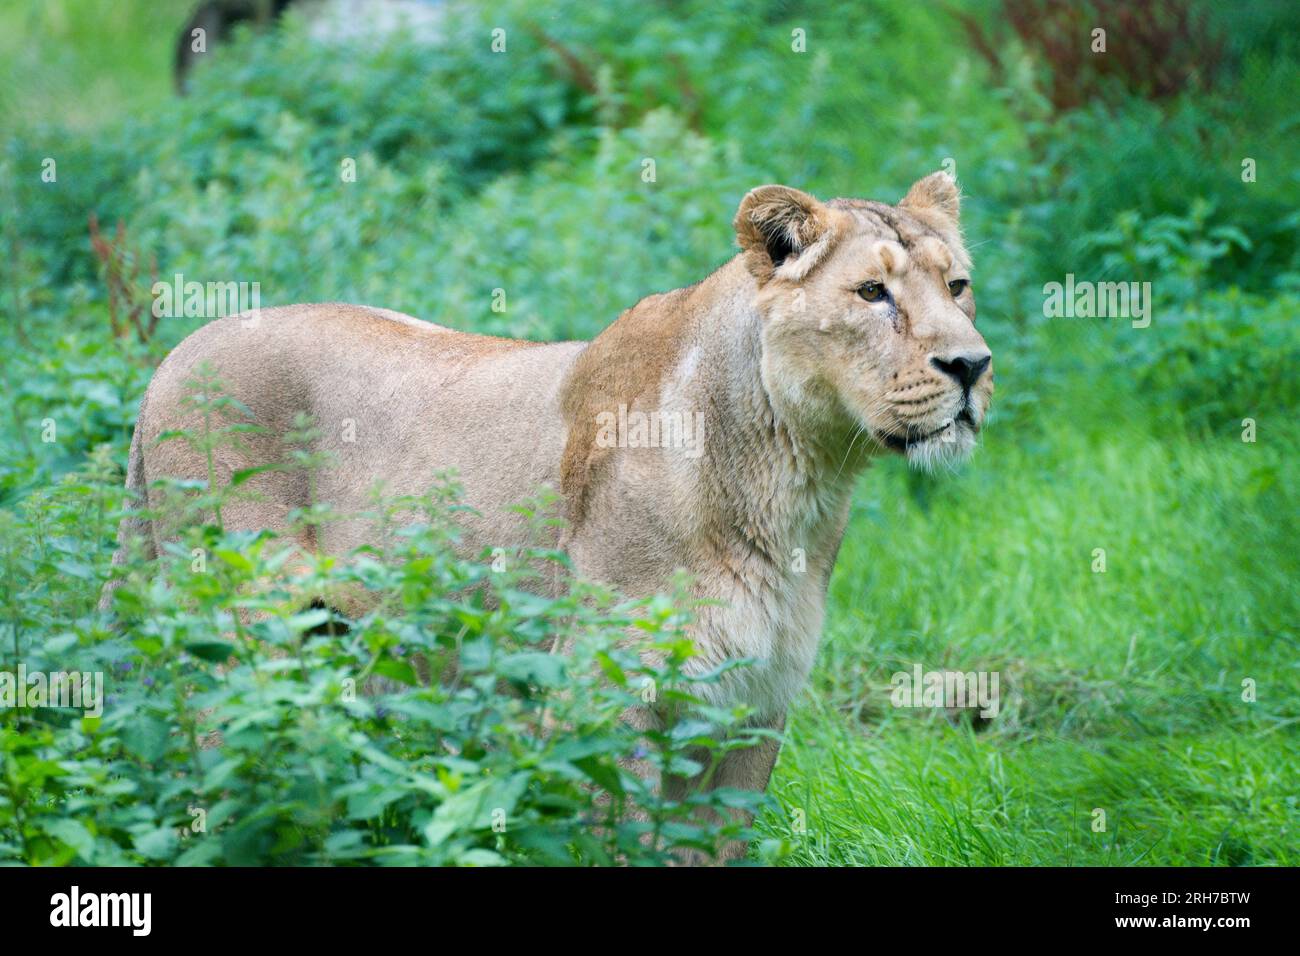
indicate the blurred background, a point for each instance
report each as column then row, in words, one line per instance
column 518, row 161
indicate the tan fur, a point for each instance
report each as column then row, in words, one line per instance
column 798, row 382
column 624, row 365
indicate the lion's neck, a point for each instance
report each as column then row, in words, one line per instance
column 776, row 480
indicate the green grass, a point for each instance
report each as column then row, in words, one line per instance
column 936, row 796
column 1121, row 690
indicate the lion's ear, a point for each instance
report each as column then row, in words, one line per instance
column 936, row 194
column 777, row 223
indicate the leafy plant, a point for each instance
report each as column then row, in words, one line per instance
column 1183, row 250
column 238, row 728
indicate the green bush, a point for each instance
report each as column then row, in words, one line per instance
column 236, row 729
column 1155, row 161
column 1214, row 353
column 1226, row 357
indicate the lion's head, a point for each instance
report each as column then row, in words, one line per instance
column 869, row 315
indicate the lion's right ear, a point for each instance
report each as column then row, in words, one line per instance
column 775, row 224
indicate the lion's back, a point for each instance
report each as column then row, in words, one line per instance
column 393, row 399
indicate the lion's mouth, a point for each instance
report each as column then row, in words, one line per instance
column 901, row 441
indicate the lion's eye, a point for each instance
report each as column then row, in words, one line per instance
column 873, row 291
column 958, row 286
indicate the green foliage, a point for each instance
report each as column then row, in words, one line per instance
column 81, row 391
column 235, row 729
column 1187, row 251
column 90, row 60
column 1227, row 357
column 1219, row 354
column 404, row 103
column 1180, row 160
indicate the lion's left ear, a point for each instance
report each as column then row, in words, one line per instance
column 935, row 195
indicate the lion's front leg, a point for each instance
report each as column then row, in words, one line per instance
column 749, row 768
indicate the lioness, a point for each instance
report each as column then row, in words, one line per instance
column 841, row 331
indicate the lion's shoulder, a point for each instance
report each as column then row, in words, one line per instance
column 626, row 365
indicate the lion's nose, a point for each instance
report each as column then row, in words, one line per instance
column 965, row 367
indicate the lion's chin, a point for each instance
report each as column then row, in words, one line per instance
column 947, row 445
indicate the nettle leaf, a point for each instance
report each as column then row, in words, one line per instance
column 74, row 834
column 345, row 843
column 147, row 644
column 77, row 569
column 476, row 655
column 371, row 803
column 682, row 766
column 604, row 775
column 157, row 844
column 60, row 643
column 306, row 620
column 400, row 671
column 457, row 813
column 215, row 652
column 610, row 668
column 237, row 478
column 479, row 856
column 201, row 852
column 146, row 737
column 475, row 808
column 233, row 558
column 537, row 667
